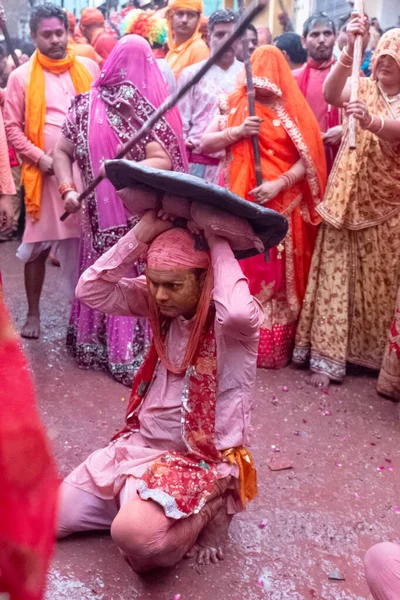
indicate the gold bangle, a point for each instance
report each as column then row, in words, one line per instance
column 370, row 122
column 343, row 65
column 371, row 126
column 351, row 58
column 382, row 125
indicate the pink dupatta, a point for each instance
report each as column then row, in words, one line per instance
column 130, row 77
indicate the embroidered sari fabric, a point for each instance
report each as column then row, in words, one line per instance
column 28, row 477
column 289, row 131
column 125, row 95
column 355, row 272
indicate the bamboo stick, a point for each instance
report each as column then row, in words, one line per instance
column 249, row 14
column 355, row 76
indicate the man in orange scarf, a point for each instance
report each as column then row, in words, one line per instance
column 185, row 43
column 39, row 94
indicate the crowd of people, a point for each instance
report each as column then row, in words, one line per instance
column 185, row 325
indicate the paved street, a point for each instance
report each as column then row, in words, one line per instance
column 339, row 497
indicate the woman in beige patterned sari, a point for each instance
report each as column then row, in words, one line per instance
column 355, row 271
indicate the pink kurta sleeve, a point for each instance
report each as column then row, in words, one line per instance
column 239, row 314
column 14, row 118
column 104, row 286
column 6, row 181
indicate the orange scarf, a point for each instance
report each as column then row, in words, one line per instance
column 35, row 115
column 289, row 131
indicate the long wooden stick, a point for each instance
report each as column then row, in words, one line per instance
column 251, row 100
column 355, row 76
column 6, row 34
column 252, row 11
column 251, row 95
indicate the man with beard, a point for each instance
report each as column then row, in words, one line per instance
column 319, row 36
column 39, row 94
column 185, row 43
column 198, row 107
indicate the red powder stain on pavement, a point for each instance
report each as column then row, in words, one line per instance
column 318, row 518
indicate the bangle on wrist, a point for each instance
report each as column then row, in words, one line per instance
column 382, row 124
column 346, row 53
column 63, row 188
column 343, row 64
column 231, row 135
column 371, row 120
column 288, row 179
column 375, row 127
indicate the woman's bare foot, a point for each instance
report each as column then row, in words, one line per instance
column 319, row 380
column 210, row 545
column 31, row 329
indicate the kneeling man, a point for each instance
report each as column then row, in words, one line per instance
column 171, row 480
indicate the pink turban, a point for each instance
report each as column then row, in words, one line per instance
column 175, row 249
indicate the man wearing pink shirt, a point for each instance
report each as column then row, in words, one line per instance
column 172, row 479
column 49, row 30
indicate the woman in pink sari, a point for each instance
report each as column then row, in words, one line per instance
column 129, row 90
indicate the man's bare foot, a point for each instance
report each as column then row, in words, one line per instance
column 31, row 329
column 319, row 380
column 210, row 545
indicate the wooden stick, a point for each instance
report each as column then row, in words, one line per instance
column 252, row 11
column 355, row 76
column 251, row 100
column 251, row 95
column 6, row 34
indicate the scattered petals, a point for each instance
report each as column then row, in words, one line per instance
column 262, row 524
column 344, row 439
column 260, row 583
column 336, row 575
column 338, row 464
column 390, row 468
column 325, row 392
column 304, row 421
column 396, row 509
column 177, row 597
column 285, row 388
column 388, row 460
column 372, row 444
column 356, row 496
column 381, row 468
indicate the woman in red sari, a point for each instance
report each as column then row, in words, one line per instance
column 294, row 178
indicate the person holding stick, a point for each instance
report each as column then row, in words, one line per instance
column 199, row 106
column 294, row 183
column 96, row 125
column 355, row 272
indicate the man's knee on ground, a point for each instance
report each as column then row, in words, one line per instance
column 136, row 539
column 140, row 534
column 380, row 558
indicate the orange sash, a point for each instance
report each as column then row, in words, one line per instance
column 35, row 115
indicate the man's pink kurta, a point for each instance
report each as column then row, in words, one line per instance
column 59, row 91
column 104, row 286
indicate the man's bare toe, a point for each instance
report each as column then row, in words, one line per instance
column 319, row 380
column 31, row 329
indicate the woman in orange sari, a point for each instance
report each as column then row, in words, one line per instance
column 294, row 178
